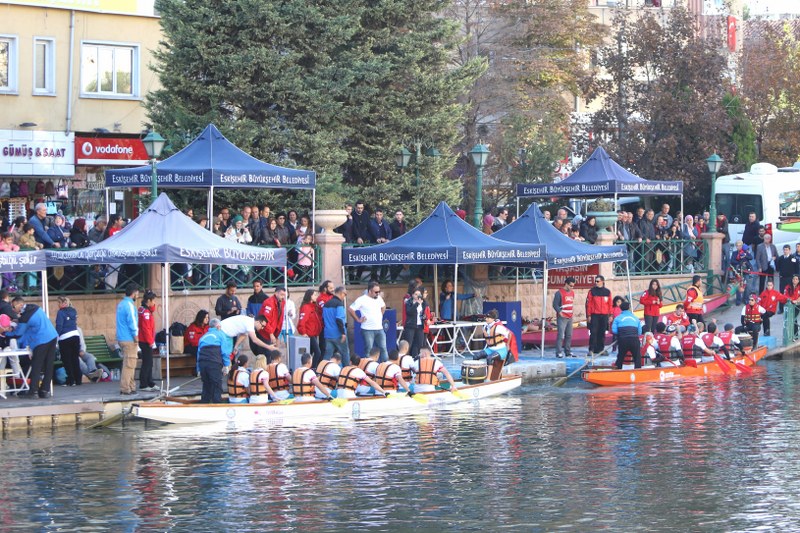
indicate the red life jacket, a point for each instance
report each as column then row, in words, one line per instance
column 751, row 314
column 687, row 344
column 726, row 337
column 567, row 302
column 708, row 339
column 664, row 341
column 675, row 320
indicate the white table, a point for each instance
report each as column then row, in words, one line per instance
column 10, row 373
column 459, row 332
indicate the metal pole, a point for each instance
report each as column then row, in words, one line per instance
column 712, row 210
column 436, row 286
column 211, row 209
column 106, row 196
column 165, row 307
column 45, row 294
column 313, row 211
column 479, row 197
column 417, row 156
column 545, row 277
column 455, row 295
column 630, row 289
column 154, row 183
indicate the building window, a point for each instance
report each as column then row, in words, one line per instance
column 44, row 66
column 109, row 70
column 8, row 64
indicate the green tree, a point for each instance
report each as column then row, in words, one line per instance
column 743, row 135
column 662, row 96
column 331, row 86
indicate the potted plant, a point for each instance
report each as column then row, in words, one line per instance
column 603, row 210
column 329, row 212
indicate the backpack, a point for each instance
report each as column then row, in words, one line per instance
column 39, row 189
column 177, row 329
column 14, row 189
column 23, row 188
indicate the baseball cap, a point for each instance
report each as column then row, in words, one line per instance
column 671, row 328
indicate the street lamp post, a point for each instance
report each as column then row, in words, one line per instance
column 480, row 154
column 403, row 157
column 153, row 144
column 714, row 163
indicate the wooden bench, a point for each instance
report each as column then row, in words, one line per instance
column 98, row 347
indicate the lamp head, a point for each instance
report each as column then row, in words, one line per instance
column 153, row 144
column 714, row 163
column 480, row 155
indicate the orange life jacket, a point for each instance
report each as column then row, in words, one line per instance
column 257, row 388
column 299, row 386
column 406, row 371
column 567, row 302
column 363, row 366
column 346, row 381
column 426, row 375
column 493, row 338
column 236, row 389
column 696, row 305
column 276, row 382
column 385, row 382
column 327, row 380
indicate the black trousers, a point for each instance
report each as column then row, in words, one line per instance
column 598, row 325
column 146, row 370
column 650, row 323
column 629, row 345
column 315, row 351
column 70, row 355
column 211, row 375
column 698, row 317
column 42, row 361
column 415, row 338
column 764, row 277
column 782, row 284
column 765, row 320
column 753, row 328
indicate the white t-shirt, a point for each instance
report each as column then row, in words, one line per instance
column 237, row 325
column 371, row 308
column 393, row 371
column 406, row 362
column 372, row 366
column 281, row 370
column 291, row 316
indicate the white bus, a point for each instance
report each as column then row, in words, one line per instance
column 768, row 191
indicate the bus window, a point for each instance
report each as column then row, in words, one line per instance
column 737, row 206
column 790, row 203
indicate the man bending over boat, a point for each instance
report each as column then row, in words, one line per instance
column 352, row 377
column 213, row 361
column 304, row 381
column 242, row 327
column 669, row 345
column 496, row 350
column 279, row 375
column 426, row 372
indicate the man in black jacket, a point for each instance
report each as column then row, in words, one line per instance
column 361, row 232
column 398, row 227
column 786, row 266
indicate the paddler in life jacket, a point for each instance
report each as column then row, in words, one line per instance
column 239, row 381
column 668, row 344
column 677, row 317
column 693, row 346
column 260, row 391
column 405, row 361
column 426, row 372
column 304, row 381
column 352, row 377
column 649, row 348
column 389, row 376
column 710, row 337
column 751, row 318
column 496, row 350
column 328, row 373
column 730, row 340
column 369, row 365
column 279, row 375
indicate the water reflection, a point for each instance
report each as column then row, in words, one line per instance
column 692, row 456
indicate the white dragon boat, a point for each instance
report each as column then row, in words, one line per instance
column 176, row 411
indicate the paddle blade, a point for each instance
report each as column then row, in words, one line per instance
column 460, row 395
column 743, row 368
column 339, row 402
column 286, row 402
column 723, row 365
column 420, row 399
column 690, row 362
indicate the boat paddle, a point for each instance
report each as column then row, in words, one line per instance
column 116, row 418
column 742, row 368
column 723, row 365
column 560, row 381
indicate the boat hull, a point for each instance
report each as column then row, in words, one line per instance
column 580, row 334
column 667, row 372
column 355, row 409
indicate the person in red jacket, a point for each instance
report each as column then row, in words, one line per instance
column 769, row 300
column 309, row 323
column 651, row 301
column 598, row 311
column 147, row 340
column 198, row 328
column 677, row 317
column 272, row 309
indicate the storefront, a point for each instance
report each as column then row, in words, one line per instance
column 35, row 166
column 92, row 155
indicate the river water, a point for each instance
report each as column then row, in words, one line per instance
column 709, row 455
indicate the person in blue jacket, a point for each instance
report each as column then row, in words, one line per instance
column 35, row 331
column 213, row 361
column 334, row 320
column 627, row 327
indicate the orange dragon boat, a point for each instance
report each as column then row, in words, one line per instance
column 668, row 372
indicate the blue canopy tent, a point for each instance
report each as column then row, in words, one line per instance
column 444, row 239
column 600, row 176
column 27, row 261
column 210, row 161
column 562, row 252
column 163, row 234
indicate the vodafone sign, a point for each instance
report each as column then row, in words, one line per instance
column 109, row 151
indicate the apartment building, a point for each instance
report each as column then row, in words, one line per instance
column 73, row 78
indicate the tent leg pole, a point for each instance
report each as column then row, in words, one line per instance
column 211, row 208
column 455, row 294
column 544, row 306
column 630, row 289
column 165, row 307
column 108, row 215
column 45, row 294
column 313, row 211
column 436, row 287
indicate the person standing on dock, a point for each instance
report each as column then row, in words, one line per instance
column 36, row 332
column 786, row 266
column 213, row 356
column 598, row 310
column 564, row 305
column 765, row 259
column 651, row 300
column 128, row 337
column 769, row 300
column 370, row 308
column 627, row 327
column 693, row 301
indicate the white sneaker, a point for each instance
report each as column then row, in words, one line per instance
column 149, row 389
